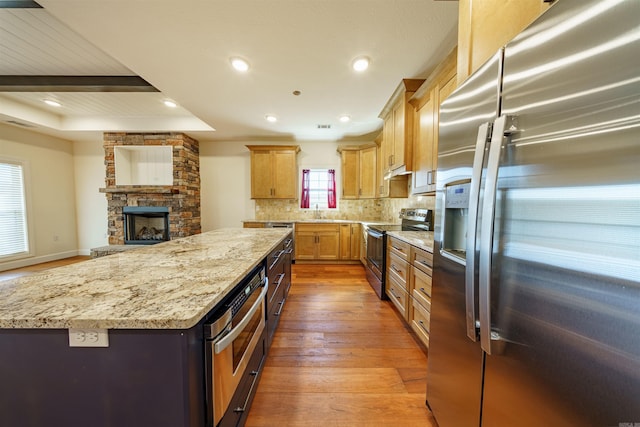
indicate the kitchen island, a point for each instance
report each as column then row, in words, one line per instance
column 151, row 301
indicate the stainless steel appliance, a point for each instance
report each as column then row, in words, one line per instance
column 412, row 220
column 535, row 314
column 235, row 349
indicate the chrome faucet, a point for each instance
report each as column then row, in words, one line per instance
column 316, row 213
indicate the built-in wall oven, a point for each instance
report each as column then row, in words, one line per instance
column 235, row 350
column 412, row 220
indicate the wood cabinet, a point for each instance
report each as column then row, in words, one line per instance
column 426, row 102
column 397, row 130
column 274, row 171
column 350, row 240
column 486, row 25
column 317, row 242
column 397, row 275
column 252, row 224
column 408, row 275
column 358, row 172
column 396, row 186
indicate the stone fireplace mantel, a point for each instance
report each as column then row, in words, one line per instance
column 182, row 198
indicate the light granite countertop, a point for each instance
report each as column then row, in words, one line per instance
column 421, row 239
column 170, row 285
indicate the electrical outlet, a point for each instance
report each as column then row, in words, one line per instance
column 88, row 337
column 56, row 238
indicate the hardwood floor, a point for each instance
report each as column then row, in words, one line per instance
column 341, row 357
column 25, row 271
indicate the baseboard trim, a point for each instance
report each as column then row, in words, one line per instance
column 25, row 262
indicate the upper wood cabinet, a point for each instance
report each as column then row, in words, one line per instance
column 397, row 131
column 426, row 102
column 486, row 25
column 358, row 172
column 274, row 171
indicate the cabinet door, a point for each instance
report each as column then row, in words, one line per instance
column 345, row 241
column 423, row 152
column 383, row 166
column 367, row 173
column 305, row 245
column 328, row 246
column 397, row 155
column 355, row 241
column 285, row 174
column 261, row 178
column 444, row 90
column 350, row 174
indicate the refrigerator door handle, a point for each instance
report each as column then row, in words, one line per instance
column 474, row 200
column 486, row 235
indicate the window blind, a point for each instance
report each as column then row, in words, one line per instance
column 13, row 215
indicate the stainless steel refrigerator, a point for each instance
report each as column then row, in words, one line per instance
column 535, row 315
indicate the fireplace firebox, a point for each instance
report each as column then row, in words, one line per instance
column 145, row 225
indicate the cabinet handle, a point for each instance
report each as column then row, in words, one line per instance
column 422, row 326
column 394, row 294
column 280, row 309
column 424, row 291
column 394, row 268
column 254, row 374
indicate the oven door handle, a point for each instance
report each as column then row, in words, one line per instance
column 374, row 233
column 226, row 340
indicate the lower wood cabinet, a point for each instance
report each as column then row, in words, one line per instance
column 350, row 241
column 321, row 241
column 409, row 271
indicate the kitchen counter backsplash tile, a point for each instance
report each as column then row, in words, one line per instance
column 170, row 285
column 373, row 210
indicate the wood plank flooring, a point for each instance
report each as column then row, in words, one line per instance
column 25, row 271
column 341, row 357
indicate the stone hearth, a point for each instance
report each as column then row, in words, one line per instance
column 182, row 198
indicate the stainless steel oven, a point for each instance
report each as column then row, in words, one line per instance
column 412, row 220
column 376, row 256
column 235, row 333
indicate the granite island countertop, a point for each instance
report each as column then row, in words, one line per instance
column 170, row 285
column 421, row 239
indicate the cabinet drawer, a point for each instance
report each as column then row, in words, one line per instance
column 420, row 322
column 398, row 269
column 399, row 248
column 422, row 259
column 421, row 288
column 398, row 296
column 316, row 227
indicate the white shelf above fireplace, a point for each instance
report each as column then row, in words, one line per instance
column 144, row 165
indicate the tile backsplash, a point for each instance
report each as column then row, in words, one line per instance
column 384, row 210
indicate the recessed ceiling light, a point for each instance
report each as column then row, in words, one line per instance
column 240, row 64
column 360, row 64
column 344, row 118
column 271, row 118
column 52, row 102
column 170, row 103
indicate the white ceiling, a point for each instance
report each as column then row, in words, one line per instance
column 183, row 48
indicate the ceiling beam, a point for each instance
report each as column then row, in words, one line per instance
column 75, row 84
column 19, row 4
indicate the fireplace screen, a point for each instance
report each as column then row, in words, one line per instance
column 145, row 225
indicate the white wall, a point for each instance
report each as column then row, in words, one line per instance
column 51, row 192
column 91, row 209
column 225, row 174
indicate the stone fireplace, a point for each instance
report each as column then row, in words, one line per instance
column 151, row 173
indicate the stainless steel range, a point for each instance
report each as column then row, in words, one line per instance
column 412, row 220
